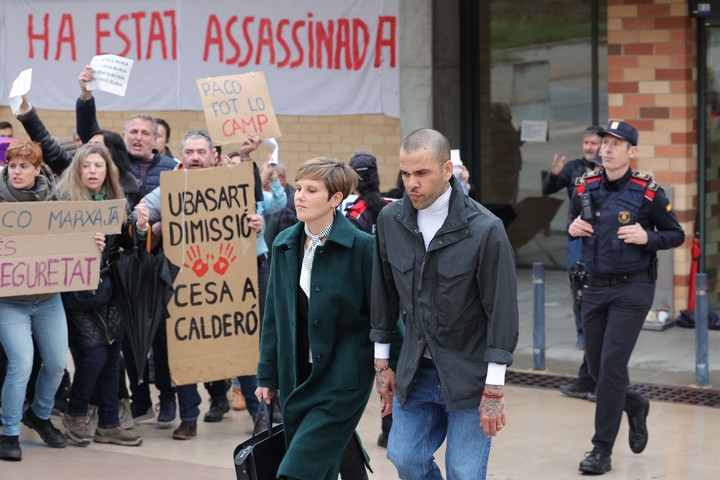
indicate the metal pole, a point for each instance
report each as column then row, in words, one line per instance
column 539, row 316
column 702, row 136
column 701, row 330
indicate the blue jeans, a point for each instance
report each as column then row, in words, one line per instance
column 20, row 322
column 248, row 384
column 188, row 402
column 421, row 425
column 99, row 368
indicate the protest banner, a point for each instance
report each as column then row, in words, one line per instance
column 48, row 247
column 213, row 326
column 236, row 106
column 326, row 57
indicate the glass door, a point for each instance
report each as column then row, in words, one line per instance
column 711, row 247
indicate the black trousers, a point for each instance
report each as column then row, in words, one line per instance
column 585, row 380
column 612, row 319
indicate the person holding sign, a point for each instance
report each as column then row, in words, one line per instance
column 25, row 317
column 95, row 326
column 140, row 133
column 196, row 153
column 314, row 347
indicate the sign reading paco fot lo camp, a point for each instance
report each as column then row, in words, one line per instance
column 48, row 247
column 213, row 327
column 236, row 106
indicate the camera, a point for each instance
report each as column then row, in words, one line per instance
column 587, row 212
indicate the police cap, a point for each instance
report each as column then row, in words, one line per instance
column 622, row 130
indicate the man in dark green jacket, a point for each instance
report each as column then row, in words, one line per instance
column 447, row 261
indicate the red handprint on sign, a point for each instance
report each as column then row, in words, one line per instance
column 224, row 258
column 199, row 266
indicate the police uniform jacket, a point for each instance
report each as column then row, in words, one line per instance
column 459, row 296
column 633, row 198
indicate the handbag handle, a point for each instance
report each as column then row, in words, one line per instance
column 267, row 412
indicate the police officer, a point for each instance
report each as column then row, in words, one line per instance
column 624, row 218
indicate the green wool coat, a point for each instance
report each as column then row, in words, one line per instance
column 319, row 415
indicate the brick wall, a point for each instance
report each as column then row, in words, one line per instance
column 303, row 137
column 652, row 85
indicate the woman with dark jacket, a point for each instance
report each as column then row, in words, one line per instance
column 365, row 210
column 96, row 331
column 315, row 349
column 27, row 317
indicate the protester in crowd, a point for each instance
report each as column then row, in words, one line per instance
column 563, row 175
column 76, row 139
column 272, row 202
column 96, row 331
column 623, row 218
column 59, row 158
column 279, row 221
column 268, row 201
column 146, row 165
column 196, row 152
column 364, row 211
column 24, row 317
column 325, row 385
column 139, row 134
column 6, row 129
column 447, row 261
column 163, row 138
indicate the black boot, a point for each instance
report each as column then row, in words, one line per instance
column 10, row 448
column 218, row 407
column 47, row 431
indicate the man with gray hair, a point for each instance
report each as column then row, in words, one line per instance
column 139, row 133
column 197, row 153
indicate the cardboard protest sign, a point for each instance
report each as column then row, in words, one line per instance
column 213, row 326
column 237, row 105
column 48, row 247
column 111, row 73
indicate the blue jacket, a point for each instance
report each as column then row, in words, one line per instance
column 86, row 120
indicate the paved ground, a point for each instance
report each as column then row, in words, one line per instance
column 546, row 436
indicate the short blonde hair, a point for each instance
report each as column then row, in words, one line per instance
column 26, row 150
column 336, row 176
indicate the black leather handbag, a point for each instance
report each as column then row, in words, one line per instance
column 259, row 457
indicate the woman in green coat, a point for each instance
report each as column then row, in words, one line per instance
column 314, row 349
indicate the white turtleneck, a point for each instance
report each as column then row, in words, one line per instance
column 430, row 219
